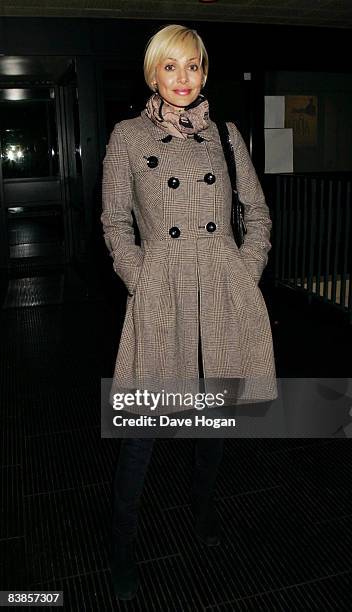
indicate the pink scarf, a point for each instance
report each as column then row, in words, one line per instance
column 193, row 119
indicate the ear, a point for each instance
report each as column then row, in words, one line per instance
column 154, row 83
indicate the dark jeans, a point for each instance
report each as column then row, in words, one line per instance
column 135, row 455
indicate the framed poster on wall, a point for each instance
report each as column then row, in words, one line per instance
column 301, row 113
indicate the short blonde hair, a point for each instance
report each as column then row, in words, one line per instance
column 165, row 41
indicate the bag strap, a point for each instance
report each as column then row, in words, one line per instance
column 228, row 152
column 237, row 208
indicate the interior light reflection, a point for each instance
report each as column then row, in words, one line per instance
column 14, row 153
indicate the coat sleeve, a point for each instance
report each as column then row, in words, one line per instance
column 256, row 245
column 117, row 220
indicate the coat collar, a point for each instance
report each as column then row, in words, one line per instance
column 210, row 134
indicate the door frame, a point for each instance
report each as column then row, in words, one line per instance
column 64, row 90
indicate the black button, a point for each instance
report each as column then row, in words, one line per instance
column 167, row 138
column 152, row 161
column 210, row 178
column 198, row 138
column 173, row 182
column 174, row 232
column 211, row 226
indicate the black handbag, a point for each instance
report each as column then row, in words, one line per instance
column 237, row 215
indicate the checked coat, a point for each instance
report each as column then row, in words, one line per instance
column 187, row 280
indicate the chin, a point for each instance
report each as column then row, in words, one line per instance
column 184, row 101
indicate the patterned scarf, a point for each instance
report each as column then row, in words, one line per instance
column 192, row 119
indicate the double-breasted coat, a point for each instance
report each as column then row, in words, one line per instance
column 187, row 280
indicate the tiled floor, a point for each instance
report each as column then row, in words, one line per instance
column 285, row 505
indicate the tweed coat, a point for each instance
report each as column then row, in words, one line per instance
column 196, row 284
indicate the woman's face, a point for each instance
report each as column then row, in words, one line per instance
column 179, row 78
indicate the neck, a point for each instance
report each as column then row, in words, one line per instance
column 177, row 109
column 181, row 109
column 179, row 121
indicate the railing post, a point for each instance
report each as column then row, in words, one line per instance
column 346, row 249
column 337, row 229
column 296, row 235
column 328, row 244
column 312, row 233
column 321, row 205
column 304, row 240
column 277, row 230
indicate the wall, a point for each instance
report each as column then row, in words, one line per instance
column 333, row 149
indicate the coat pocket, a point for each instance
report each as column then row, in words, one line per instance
column 250, row 268
column 240, row 278
column 139, row 277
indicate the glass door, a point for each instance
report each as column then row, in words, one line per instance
column 31, row 186
column 40, row 174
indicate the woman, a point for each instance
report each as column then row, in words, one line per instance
column 194, row 309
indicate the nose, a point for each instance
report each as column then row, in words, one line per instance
column 182, row 76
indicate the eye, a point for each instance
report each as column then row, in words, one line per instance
column 169, row 67
column 194, row 67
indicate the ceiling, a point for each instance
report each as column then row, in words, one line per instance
column 328, row 13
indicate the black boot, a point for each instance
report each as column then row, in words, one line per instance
column 132, row 466
column 208, row 455
column 124, row 572
column 207, row 524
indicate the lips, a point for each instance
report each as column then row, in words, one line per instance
column 182, row 92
